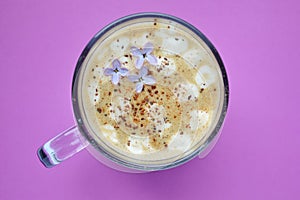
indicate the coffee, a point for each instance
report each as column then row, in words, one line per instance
column 163, row 113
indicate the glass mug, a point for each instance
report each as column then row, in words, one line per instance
column 149, row 92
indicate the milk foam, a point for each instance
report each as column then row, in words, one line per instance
column 184, row 66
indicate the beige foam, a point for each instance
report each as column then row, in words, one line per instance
column 184, row 67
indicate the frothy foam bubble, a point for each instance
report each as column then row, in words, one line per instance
column 194, row 56
column 166, row 71
column 205, row 76
column 180, row 142
column 109, row 133
column 122, row 43
column 198, row 119
column 138, row 145
column 186, row 91
column 178, row 44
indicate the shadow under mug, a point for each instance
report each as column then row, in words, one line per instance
column 79, row 137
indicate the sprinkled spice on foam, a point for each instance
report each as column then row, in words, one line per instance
column 143, row 117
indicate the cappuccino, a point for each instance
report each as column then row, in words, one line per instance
column 151, row 91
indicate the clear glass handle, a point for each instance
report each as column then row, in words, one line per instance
column 62, row 147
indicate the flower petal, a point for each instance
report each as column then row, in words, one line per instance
column 133, row 78
column 139, row 87
column 151, row 59
column 108, row 72
column 135, row 51
column 116, row 64
column 115, row 78
column 123, row 71
column 148, row 48
column 139, row 62
column 143, row 72
column 149, row 80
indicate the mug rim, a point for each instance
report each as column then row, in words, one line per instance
column 76, row 109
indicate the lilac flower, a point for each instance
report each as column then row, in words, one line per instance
column 144, row 54
column 116, row 71
column 142, row 79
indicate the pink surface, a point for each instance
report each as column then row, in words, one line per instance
column 257, row 156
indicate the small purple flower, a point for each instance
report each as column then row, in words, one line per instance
column 142, row 79
column 144, row 54
column 115, row 72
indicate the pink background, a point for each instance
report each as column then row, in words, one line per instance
column 258, row 154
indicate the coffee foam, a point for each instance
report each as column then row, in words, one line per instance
column 184, row 66
column 205, row 76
